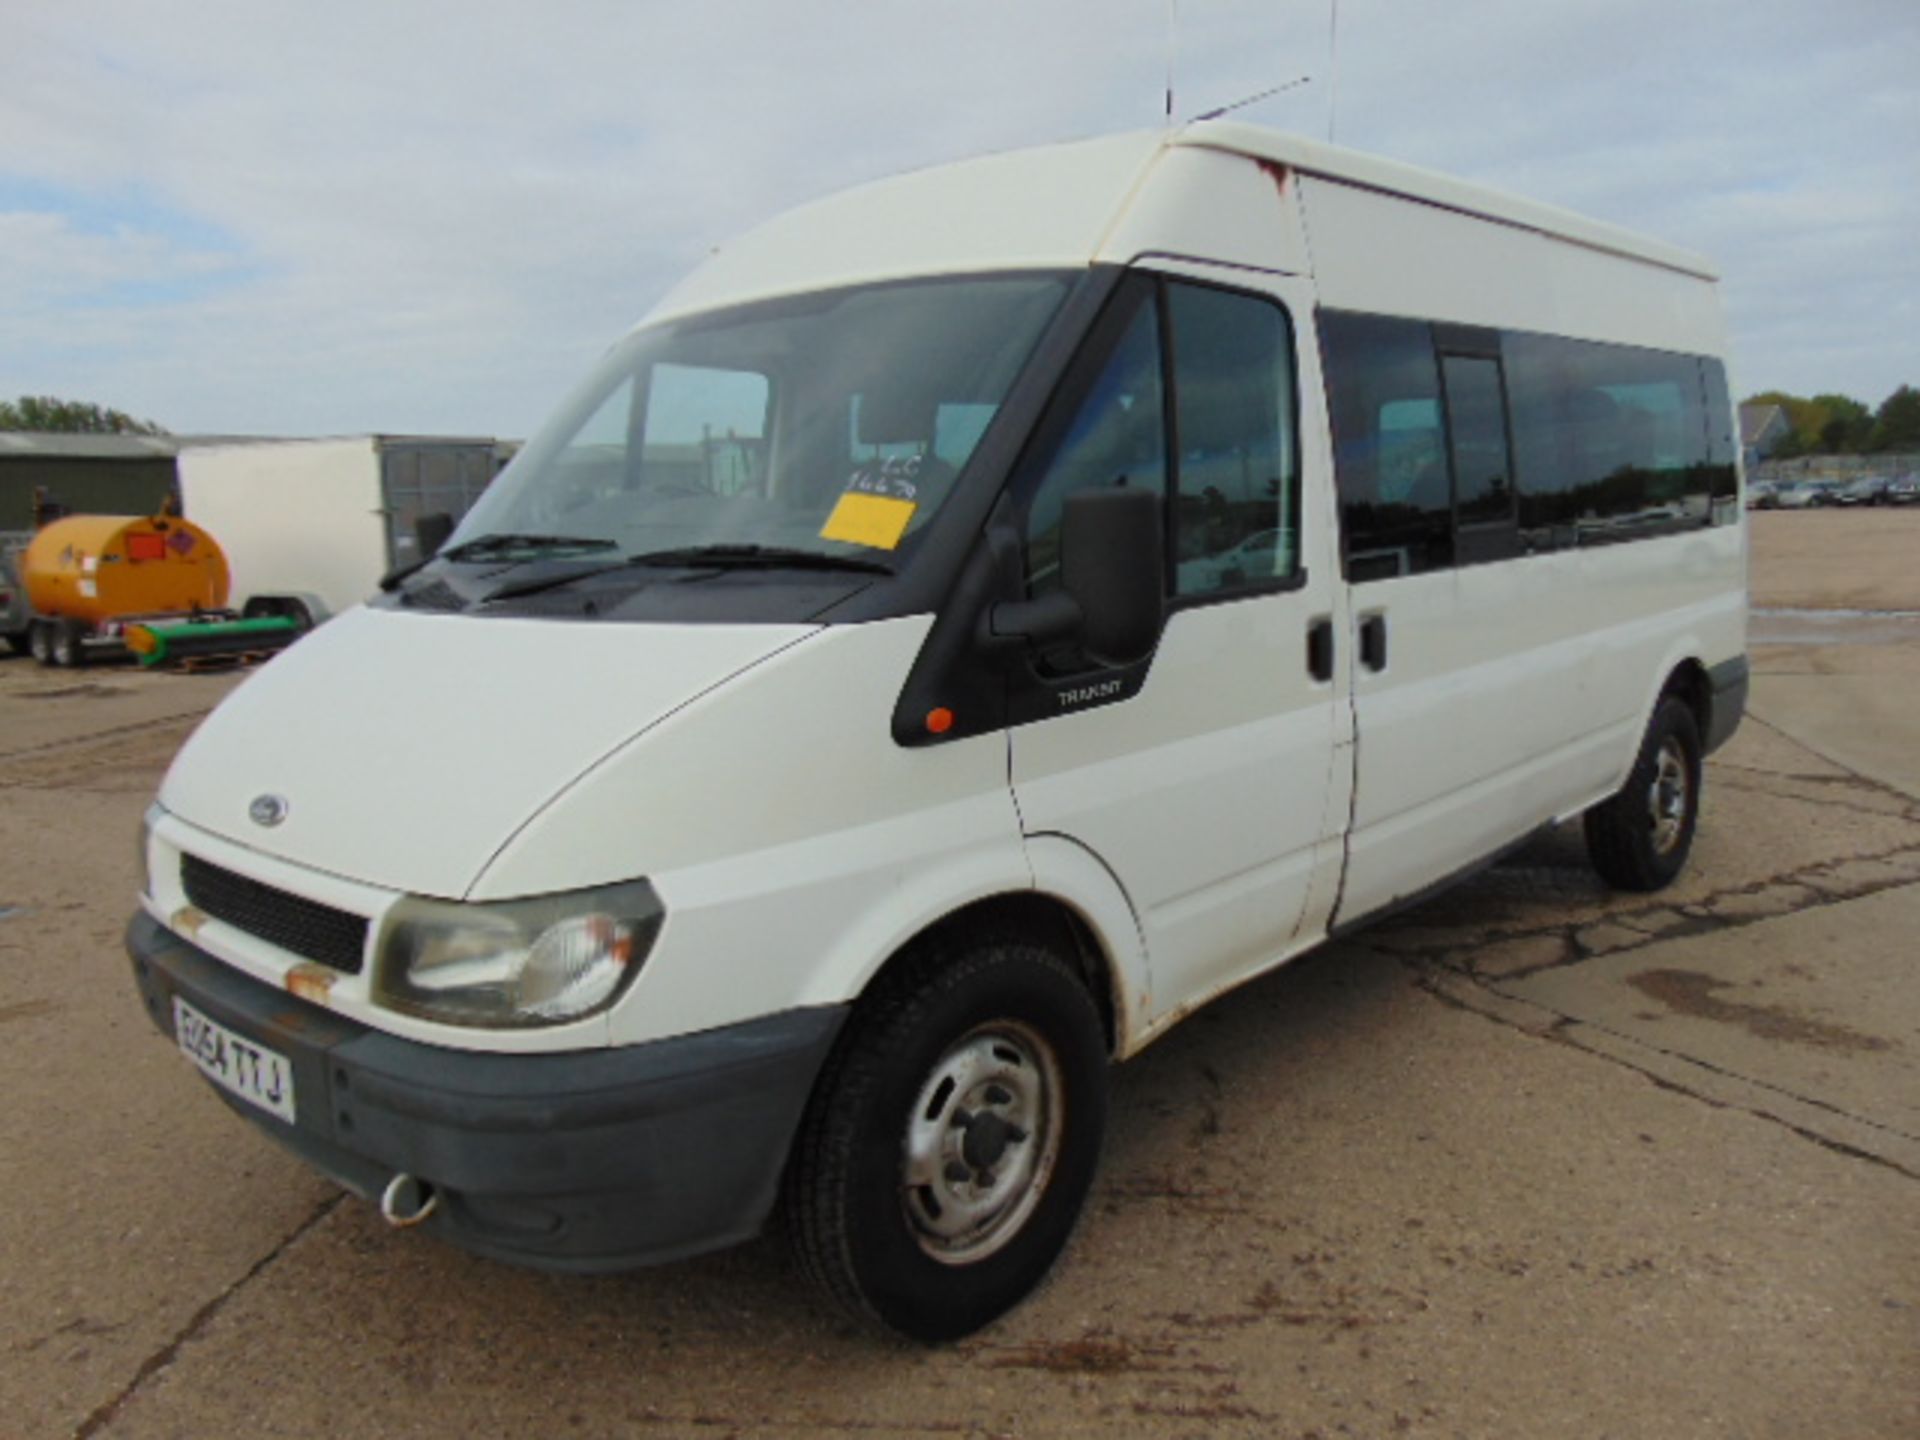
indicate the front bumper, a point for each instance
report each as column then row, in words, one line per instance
column 581, row 1160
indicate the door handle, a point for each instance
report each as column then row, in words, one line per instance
column 1320, row 649
column 1373, row 642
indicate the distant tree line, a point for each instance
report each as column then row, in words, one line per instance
column 48, row 414
column 1841, row 425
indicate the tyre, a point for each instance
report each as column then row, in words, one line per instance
column 20, row 642
column 69, row 648
column 951, row 1140
column 1639, row 839
column 40, row 641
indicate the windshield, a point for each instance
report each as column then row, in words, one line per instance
column 832, row 424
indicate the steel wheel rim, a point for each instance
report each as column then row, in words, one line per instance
column 1668, row 796
column 982, row 1141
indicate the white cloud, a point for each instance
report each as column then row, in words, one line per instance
column 432, row 216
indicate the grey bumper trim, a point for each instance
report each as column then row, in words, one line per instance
column 583, row 1160
column 1728, row 681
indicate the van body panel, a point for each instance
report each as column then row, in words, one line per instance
column 1518, row 692
column 1208, row 206
column 1037, row 209
column 1067, row 871
column 477, row 724
column 1204, row 793
column 1380, row 253
column 1432, row 188
column 794, row 845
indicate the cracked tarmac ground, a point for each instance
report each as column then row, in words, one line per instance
column 1531, row 1160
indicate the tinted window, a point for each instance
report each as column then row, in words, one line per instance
column 1611, row 440
column 1235, row 519
column 1389, row 447
column 1118, row 437
column 1477, row 428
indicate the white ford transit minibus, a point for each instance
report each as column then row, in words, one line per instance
column 976, row 620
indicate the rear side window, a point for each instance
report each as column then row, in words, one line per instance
column 1613, row 440
column 1389, row 445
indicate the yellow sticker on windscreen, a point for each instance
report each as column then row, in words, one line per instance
column 877, row 521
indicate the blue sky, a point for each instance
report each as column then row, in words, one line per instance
column 247, row 216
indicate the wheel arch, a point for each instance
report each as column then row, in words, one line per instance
column 1688, row 681
column 1078, row 908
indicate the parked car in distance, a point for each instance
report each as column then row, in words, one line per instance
column 1763, row 495
column 1904, row 489
column 1796, row 495
column 1867, row 490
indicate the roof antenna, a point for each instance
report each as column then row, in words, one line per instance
column 1333, row 64
column 1173, row 40
column 1238, row 104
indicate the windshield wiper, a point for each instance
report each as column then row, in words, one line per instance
column 488, row 546
column 762, row 556
column 695, row 557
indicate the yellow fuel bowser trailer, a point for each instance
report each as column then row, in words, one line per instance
column 114, row 581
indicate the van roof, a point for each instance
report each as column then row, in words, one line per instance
column 1336, row 162
column 1065, row 205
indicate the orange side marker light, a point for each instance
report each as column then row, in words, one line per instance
column 939, row 720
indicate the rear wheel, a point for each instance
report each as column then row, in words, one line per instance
column 1639, row 839
column 951, row 1141
column 40, row 641
column 69, row 644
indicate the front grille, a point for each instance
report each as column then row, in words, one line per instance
column 333, row 937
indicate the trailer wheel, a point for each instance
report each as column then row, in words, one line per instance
column 20, row 642
column 40, row 641
column 69, row 647
column 951, row 1140
column 1639, row 839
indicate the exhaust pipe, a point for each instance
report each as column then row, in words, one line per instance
column 408, row 1201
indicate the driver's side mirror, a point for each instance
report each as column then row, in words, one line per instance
column 1112, row 600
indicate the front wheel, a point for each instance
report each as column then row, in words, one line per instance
column 1639, row 839
column 951, row 1141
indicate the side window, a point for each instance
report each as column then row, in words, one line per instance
column 1236, row 508
column 1389, row 447
column 1118, row 437
column 1477, row 428
column 1612, row 441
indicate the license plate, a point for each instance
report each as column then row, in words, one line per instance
column 259, row 1076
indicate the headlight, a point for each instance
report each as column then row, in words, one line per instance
column 515, row 962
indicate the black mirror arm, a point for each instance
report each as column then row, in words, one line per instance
column 1050, row 619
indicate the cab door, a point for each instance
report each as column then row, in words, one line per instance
column 1207, row 783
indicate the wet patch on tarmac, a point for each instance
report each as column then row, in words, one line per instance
column 1688, row 992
